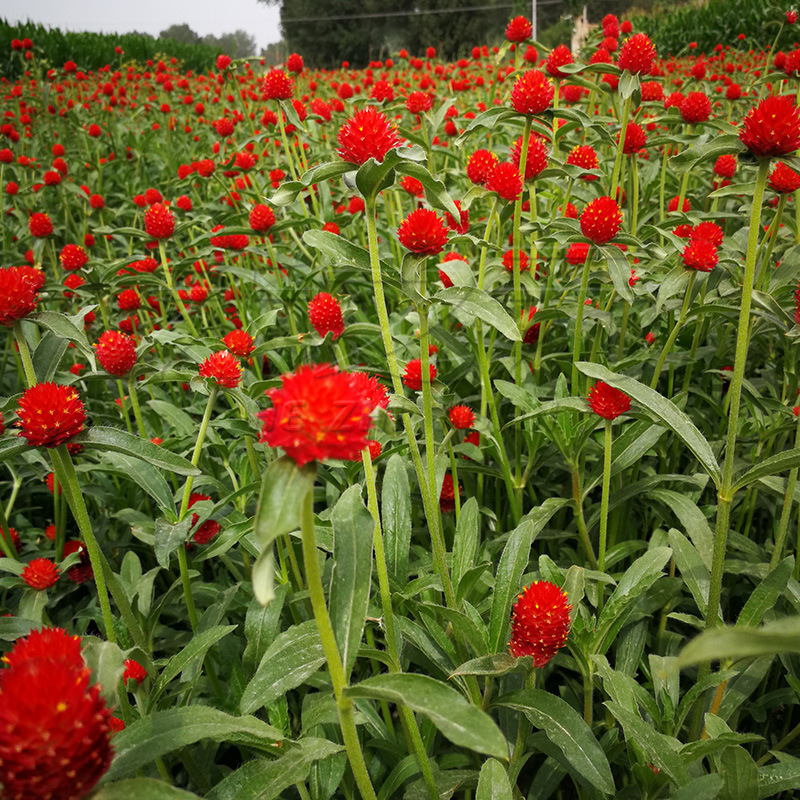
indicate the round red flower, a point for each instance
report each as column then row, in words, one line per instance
column 635, row 139
column 519, row 29
column 116, row 353
column 505, row 181
column 294, row 63
column 601, row 220
column 480, row 165
column 40, row 225
column 73, row 256
column 539, row 622
column 50, row 414
column 56, row 741
column 372, row 388
column 584, row 156
column 772, row 128
column 159, row 221
column 560, row 57
column 134, row 671
column 224, row 367
column 325, row 314
column 695, row 107
column 783, row 179
column 608, row 402
column 412, row 376
column 239, row 342
column 637, row 54
column 209, row 529
column 423, row 232
column 18, row 294
column 462, row 417
column 419, row 102
column 40, row 574
column 277, row 85
column 261, row 218
column 709, row 231
column 532, row 93
column 53, row 644
column 447, row 497
column 536, row 160
column 700, row 254
column 318, row 413
column 367, row 134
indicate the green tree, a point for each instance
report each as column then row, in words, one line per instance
column 180, row 33
column 237, row 44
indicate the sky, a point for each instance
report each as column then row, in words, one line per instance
column 150, row 16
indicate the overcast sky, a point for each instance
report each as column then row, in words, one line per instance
column 150, row 16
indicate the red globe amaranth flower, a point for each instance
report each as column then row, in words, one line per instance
column 635, row 139
column 159, row 221
column 367, row 134
column 325, row 314
column 294, row 63
column 373, row 389
column 133, row 671
column 584, row 156
column 261, row 218
column 519, row 29
column 783, row 179
column 709, row 231
column 536, row 160
column 50, row 414
column 480, row 165
column 52, row 644
column 447, row 497
column 577, row 252
column 695, row 107
column 560, row 57
column 772, row 128
column 239, row 342
column 116, row 353
column 461, row 417
column 318, row 413
column 40, row 225
column 412, row 376
column 791, row 17
column 73, row 256
column 423, row 232
column 40, row 574
column 700, row 254
column 638, row 54
column 224, row 367
column 608, row 402
column 129, row 300
column 209, row 529
column 56, row 728
column 531, row 335
column 15, row 539
column 223, row 62
column 539, row 622
column 18, row 294
column 419, row 102
column 82, row 571
column 532, row 93
column 277, row 85
column 505, row 181
column 601, row 220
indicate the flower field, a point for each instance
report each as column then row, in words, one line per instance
column 426, row 430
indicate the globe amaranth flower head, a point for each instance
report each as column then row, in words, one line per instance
column 637, row 55
column 325, row 314
column 223, row 367
column 56, row 739
column 608, row 402
column 519, row 29
column 367, row 134
column 423, row 232
column 601, row 220
column 19, row 294
column 50, row 414
column 539, row 622
column 159, row 221
column 40, row 225
column 318, row 413
column 116, row 353
column 532, row 93
column 783, row 179
column 772, row 128
column 277, row 85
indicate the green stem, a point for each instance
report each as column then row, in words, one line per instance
column 601, row 548
column 783, row 525
column 576, row 343
column 675, row 331
column 25, row 354
column 580, row 520
column 344, row 705
column 626, row 109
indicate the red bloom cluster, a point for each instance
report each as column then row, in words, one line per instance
column 783, row 179
column 608, row 402
column 40, row 573
column 412, row 376
column 505, row 181
column 277, row 85
column 539, row 622
column 367, row 134
column 239, row 342
column 480, row 165
column 325, row 314
column 19, row 293
column 50, row 414
column 532, row 93
column 584, row 156
column 318, row 413
column 209, row 529
column 223, row 367
column 159, row 221
column 519, row 29
column 638, row 54
column 73, row 256
column 601, row 220
column 423, row 232
column 261, row 218
column 536, row 160
column 772, row 128
column 40, row 225
column 116, row 353
column 56, row 728
column 461, row 417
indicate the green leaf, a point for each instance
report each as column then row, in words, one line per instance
column 782, row 462
column 107, row 663
column 781, row 777
column 396, row 517
column 435, row 192
column 663, row 409
column 351, row 577
column 628, row 84
column 169, row 537
column 66, row 328
column 566, row 729
column 263, row 576
column 267, row 779
column 781, row 636
column 480, row 304
column 719, row 146
column 289, row 190
column 196, row 649
column 638, row 578
column 620, row 271
column 261, row 627
column 497, row 664
column 739, row 773
column 462, row 723
column 12, row 447
column 283, row 488
column 493, row 782
column 163, row 732
column 105, row 439
column 693, row 520
column 140, row 788
column 661, row 750
column 466, row 540
column 11, row 628
column 288, row 662
column 693, row 571
column 47, row 356
column 146, row 476
column 338, row 249
column 766, row 594
column 706, row 787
